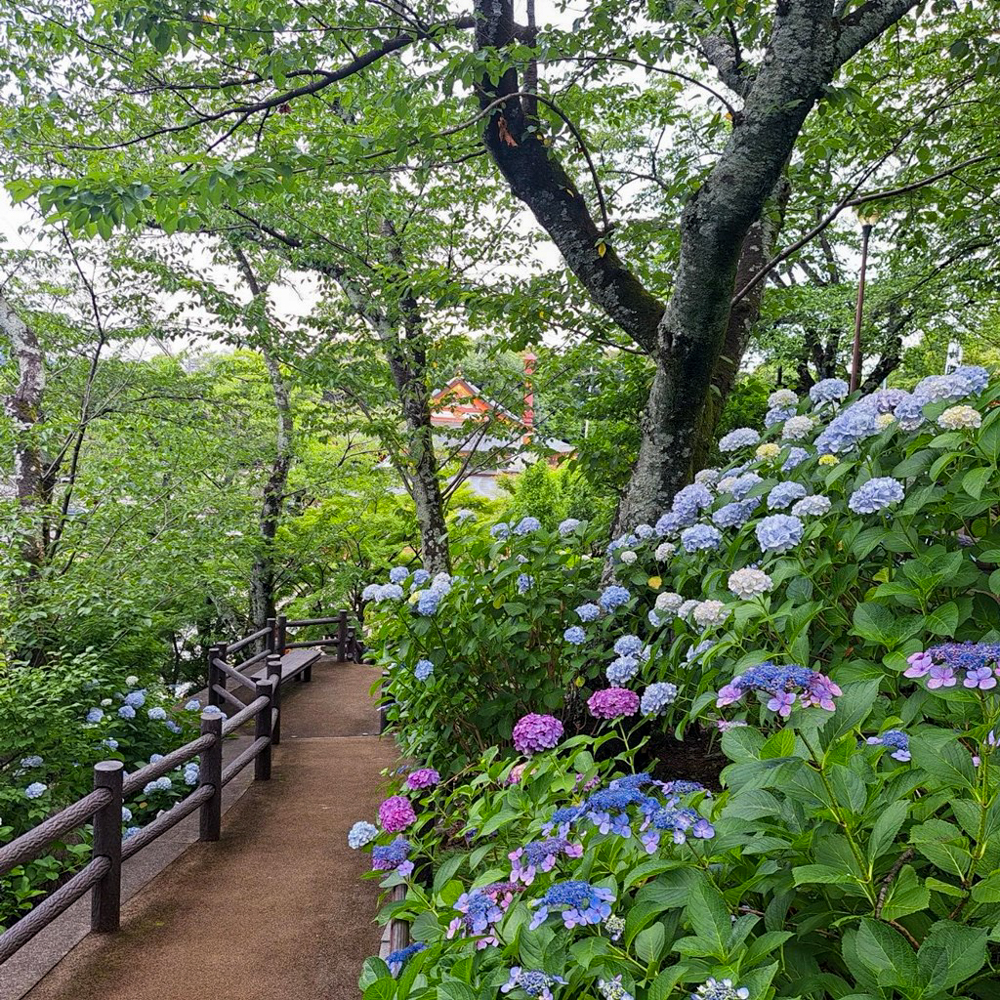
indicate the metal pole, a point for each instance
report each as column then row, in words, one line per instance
column 210, row 773
column 106, row 899
column 866, row 231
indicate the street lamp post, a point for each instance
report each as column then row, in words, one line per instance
column 867, row 220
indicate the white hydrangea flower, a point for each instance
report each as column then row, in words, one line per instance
column 710, row 614
column 628, row 557
column 750, row 582
column 814, row 505
column 884, row 420
column 724, row 485
column 665, row 550
column 796, row 428
column 960, row 418
column 669, row 601
column 782, row 397
column 708, row 477
column 768, row 450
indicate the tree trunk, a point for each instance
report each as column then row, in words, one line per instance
column 262, row 588
column 24, row 407
column 758, row 248
column 262, row 577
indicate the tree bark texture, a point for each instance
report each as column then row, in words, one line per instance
column 24, row 407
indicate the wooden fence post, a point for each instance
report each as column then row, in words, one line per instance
column 215, row 675
column 399, row 930
column 274, row 674
column 106, row 898
column 342, row 637
column 262, row 728
column 210, row 773
column 282, row 635
column 272, row 635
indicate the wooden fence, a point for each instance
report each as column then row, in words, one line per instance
column 277, row 661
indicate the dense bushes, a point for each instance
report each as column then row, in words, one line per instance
column 828, row 604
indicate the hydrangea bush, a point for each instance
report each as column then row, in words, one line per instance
column 827, row 607
column 57, row 724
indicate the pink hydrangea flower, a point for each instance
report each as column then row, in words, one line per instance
column 396, row 814
column 536, row 732
column 613, row 703
column 424, row 777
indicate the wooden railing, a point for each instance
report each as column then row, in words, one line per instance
column 103, row 806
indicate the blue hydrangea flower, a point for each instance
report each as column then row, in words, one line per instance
column 876, row 495
column 720, row 989
column 575, row 635
column 784, row 495
column 581, row 903
column 135, row 699
column 779, row 533
column 427, row 602
column 360, row 834
column 896, row 741
column 163, row 784
column 370, row 592
column 795, row 457
column 742, row 437
column 621, row 542
column 848, row 429
column 95, row 715
column 172, row 726
column 419, row 578
column 423, row 670
column 741, row 486
column 33, row 761
column 527, row 525
column 193, row 705
column 588, row 612
column 157, row 714
column 657, row 696
column 777, row 415
column 397, row 959
column 815, row 505
column 389, row 592
column 126, row 712
column 110, row 743
column 613, row 597
column 701, row 536
column 644, row 531
column 692, row 498
column 672, row 522
column 398, row 574
column 733, row 515
column 192, row 772
column 829, row 390
column 622, row 670
column 524, row 583
column 628, row 645
column 500, row 531
column 568, row 526
column 126, row 814
column 36, row 790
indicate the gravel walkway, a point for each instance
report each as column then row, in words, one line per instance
column 277, row 909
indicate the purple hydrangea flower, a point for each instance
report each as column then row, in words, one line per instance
column 581, row 904
column 396, row 814
column 613, row 703
column 534, row 733
column 424, row 777
column 784, row 684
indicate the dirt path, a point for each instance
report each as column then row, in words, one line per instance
column 277, row 909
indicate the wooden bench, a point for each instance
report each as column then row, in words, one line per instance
column 297, row 663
